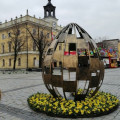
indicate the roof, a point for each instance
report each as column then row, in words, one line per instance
column 49, row 4
column 111, row 40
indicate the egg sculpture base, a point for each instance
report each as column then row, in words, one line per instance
column 71, row 62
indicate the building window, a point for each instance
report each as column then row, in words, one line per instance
column 60, row 47
column 55, row 64
column 18, row 31
column 52, row 13
column 72, row 47
column 19, row 46
column 34, row 46
column 19, row 62
column 34, row 61
column 60, row 64
column 9, row 47
column 3, row 36
column 3, row 62
column 9, row 34
column 3, row 48
column 48, row 35
column 47, row 13
column 50, row 51
column 9, row 62
column 34, row 31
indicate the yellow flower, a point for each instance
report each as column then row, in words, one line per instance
column 82, row 112
column 44, row 109
column 86, row 107
column 70, row 112
column 103, row 110
column 100, row 102
column 76, row 111
column 107, row 109
column 49, row 109
column 80, row 106
column 38, row 107
column 88, row 112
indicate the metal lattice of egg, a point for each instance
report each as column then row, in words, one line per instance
column 72, row 62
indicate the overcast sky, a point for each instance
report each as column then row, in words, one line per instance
column 100, row 18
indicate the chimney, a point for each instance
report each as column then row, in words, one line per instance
column 27, row 12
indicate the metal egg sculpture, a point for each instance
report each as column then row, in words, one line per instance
column 72, row 62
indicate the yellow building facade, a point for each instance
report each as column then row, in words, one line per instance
column 28, row 56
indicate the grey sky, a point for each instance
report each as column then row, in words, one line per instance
column 98, row 17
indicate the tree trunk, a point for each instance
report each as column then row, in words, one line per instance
column 14, row 64
column 40, row 60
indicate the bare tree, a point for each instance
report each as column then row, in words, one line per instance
column 16, row 40
column 100, row 39
column 39, row 38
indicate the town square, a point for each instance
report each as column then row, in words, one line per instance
column 62, row 62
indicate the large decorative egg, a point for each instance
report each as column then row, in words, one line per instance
column 72, row 62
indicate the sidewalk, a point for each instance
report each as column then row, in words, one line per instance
column 16, row 88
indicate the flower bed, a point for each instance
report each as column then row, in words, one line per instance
column 102, row 103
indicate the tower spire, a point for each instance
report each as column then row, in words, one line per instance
column 49, row 14
column 27, row 12
column 49, row 10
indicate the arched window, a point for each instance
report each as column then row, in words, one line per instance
column 9, row 47
column 3, row 48
column 3, row 36
column 19, row 62
column 34, row 46
column 34, row 31
column 34, row 61
column 9, row 34
column 51, row 13
column 47, row 13
column 3, row 62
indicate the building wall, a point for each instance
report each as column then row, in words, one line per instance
column 111, row 44
column 33, row 23
column 6, row 58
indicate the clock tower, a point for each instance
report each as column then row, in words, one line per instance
column 49, row 14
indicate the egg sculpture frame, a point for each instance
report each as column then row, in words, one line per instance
column 72, row 62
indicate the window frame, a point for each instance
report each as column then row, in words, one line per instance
column 3, row 48
column 34, row 60
column 10, row 62
column 19, row 61
column 3, row 36
column 3, row 62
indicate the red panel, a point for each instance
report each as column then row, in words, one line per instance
column 66, row 53
column 73, row 53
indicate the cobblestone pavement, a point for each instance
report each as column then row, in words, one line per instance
column 16, row 88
